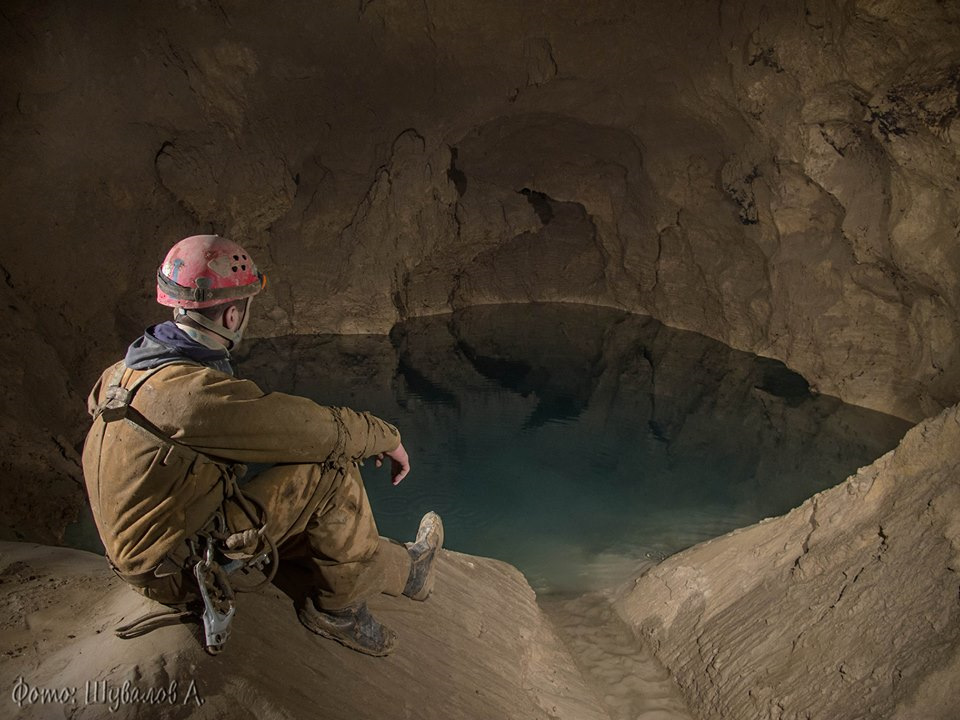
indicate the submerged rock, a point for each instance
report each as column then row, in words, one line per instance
column 846, row 607
column 478, row 648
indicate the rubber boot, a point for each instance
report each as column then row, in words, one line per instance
column 354, row 627
column 423, row 554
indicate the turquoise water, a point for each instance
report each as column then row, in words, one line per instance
column 579, row 444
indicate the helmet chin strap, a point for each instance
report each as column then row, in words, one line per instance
column 233, row 337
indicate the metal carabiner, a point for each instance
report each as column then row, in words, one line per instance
column 216, row 624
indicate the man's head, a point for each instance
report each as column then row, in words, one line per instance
column 209, row 281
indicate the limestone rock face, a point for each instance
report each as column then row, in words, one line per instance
column 479, row 647
column 783, row 177
column 41, row 422
column 846, row 607
column 780, row 177
column 782, row 180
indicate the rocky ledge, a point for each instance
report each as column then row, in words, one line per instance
column 478, row 648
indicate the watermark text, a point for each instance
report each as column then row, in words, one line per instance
column 106, row 693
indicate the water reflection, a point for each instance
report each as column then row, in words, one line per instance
column 579, row 443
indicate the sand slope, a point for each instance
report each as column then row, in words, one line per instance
column 846, row 607
column 479, row 648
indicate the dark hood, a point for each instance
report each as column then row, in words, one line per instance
column 163, row 343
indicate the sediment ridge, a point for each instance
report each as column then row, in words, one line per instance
column 846, row 607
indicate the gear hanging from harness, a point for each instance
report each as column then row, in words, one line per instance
column 213, row 553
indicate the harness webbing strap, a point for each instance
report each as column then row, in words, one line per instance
column 128, row 412
column 117, row 403
column 205, row 294
column 151, row 621
column 117, row 406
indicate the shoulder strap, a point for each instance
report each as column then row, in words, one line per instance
column 117, row 406
column 118, row 399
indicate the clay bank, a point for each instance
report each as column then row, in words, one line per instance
column 780, row 176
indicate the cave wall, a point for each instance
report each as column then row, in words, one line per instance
column 779, row 176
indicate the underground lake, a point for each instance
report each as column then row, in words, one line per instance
column 580, row 444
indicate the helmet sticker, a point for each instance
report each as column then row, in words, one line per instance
column 177, row 265
column 221, row 265
column 205, row 270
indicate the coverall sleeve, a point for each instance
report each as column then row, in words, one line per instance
column 234, row 419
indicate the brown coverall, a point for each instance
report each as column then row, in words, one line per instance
column 148, row 496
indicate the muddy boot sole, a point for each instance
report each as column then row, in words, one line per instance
column 423, row 553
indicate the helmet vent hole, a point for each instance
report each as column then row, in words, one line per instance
column 236, row 257
column 244, row 257
column 234, row 268
column 243, row 267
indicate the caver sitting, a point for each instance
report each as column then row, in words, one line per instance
column 172, row 429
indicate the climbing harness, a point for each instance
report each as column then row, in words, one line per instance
column 218, row 595
column 212, row 552
column 211, row 572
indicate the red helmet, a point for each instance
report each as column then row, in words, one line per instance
column 205, row 270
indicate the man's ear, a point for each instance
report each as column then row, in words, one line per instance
column 232, row 318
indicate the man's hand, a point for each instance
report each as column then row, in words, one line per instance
column 399, row 463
